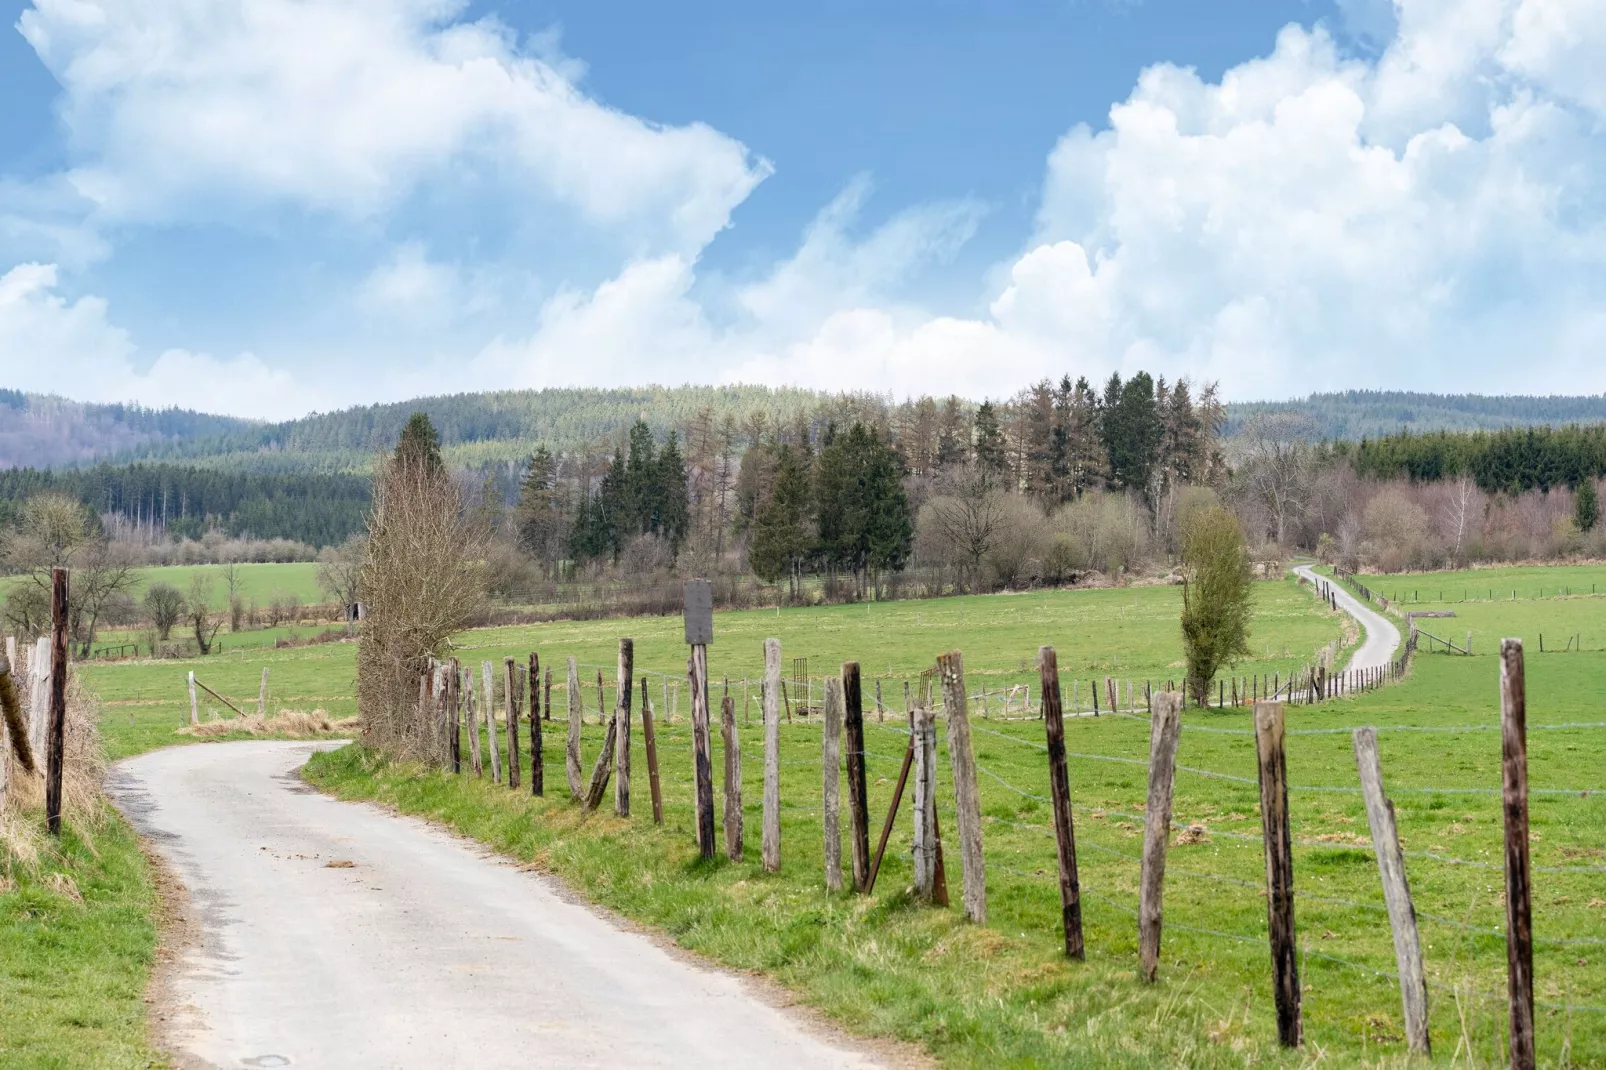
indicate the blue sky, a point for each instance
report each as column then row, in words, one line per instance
column 270, row 207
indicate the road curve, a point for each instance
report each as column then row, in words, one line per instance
column 1382, row 637
column 336, row 934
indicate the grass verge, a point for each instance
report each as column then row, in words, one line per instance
column 77, row 941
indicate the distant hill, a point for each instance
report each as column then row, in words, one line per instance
column 495, row 428
column 1356, row 414
column 41, row 431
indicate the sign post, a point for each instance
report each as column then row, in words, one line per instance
column 699, row 613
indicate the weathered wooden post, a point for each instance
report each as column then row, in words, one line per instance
column 15, row 727
column 1519, row 886
column 488, row 704
column 39, row 697
column 452, row 700
column 547, row 705
column 262, row 695
column 892, row 813
column 733, row 779
column 624, row 689
column 537, row 743
column 699, row 614
column 1164, row 729
column 770, row 696
column 571, row 755
column 967, row 799
column 603, row 769
column 195, row 706
column 510, row 700
column 55, row 756
column 650, row 742
column 1396, row 890
column 923, row 729
column 1279, row 845
column 602, row 701
column 831, row 791
column 1059, row 790
column 858, row 795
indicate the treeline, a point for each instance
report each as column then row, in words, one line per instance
column 838, row 490
column 1509, row 461
column 44, row 432
column 1351, row 415
column 186, row 502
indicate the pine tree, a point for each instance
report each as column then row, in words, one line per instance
column 1586, row 508
column 992, row 451
column 537, row 517
column 1132, row 431
column 672, row 509
column 419, row 443
column 953, row 437
column 781, row 533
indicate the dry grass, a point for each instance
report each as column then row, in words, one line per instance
column 22, row 834
column 296, row 724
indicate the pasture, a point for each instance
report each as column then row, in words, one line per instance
column 1003, row 995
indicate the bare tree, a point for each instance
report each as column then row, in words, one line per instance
column 198, row 604
column 422, row 580
column 164, row 605
column 1277, row 464
column 1459, row 512
column 963, row 520
column 234, row 580
column 59, row 531
column 340, row 572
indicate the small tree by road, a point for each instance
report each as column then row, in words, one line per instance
column 1216, row 596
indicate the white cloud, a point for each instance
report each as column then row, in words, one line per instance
column 349, row 105
column 52, row 345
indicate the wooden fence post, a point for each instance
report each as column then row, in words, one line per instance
column 892, row 812
column 603, row 769
column 571, row 756
column 624, row 691
column 602, row 701
column 967, row 800
column 55, row 756
column 488, row 704
column 1279, row 845
column 923, row 728
column 1059, row 785
column 733, row 779
column 537, row 743
column 262, row 695
column 702, row 750
column 771, row 698
column 195, row 707
column 858, row 800
column 547, row 705
column 14, row 729
column 650, row 742
column 1519, row 887
column 1164, row 729
column 831, row 791
column 1396, row 890
column 510, row 701
column 453, row 699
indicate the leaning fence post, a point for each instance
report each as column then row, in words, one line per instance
column 733, row 779
column 1059, row 785
column 571, row 758
column 1519, row 887
column 1396, row 890
column 858, row 801
column 1278, row 837
column 1164, row 729
column 603, row 769
column 650, row 742
column 771, row 698
column 55, row 756
column 831, row 791
column 624, row 690
column 967, row 800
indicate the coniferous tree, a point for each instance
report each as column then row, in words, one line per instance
column 1132, row 431
column 781, row 533
column 671, row 514
column 953, row 436
column 538, row 518
column 1586, row 507
column 418, row 443
column 992, row 451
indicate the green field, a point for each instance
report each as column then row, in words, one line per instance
column 1528, row 582
column 259, row 583
column 1002, row 995
column 1126, row 632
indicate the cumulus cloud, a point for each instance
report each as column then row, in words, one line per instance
column 53, row 345
column 347, row 106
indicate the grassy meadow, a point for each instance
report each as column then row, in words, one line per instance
column 1002, row 995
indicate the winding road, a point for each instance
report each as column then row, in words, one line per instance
column 334, row 934
column 1382, row 637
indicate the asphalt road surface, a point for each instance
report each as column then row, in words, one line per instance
column 332, row 934
column 1382, row 637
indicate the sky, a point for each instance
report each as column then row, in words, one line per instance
column 271, row 207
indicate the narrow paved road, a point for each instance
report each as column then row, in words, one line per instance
column 1382, row 637
column 338, row 935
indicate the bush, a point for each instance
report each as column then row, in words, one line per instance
column 1216, row 592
